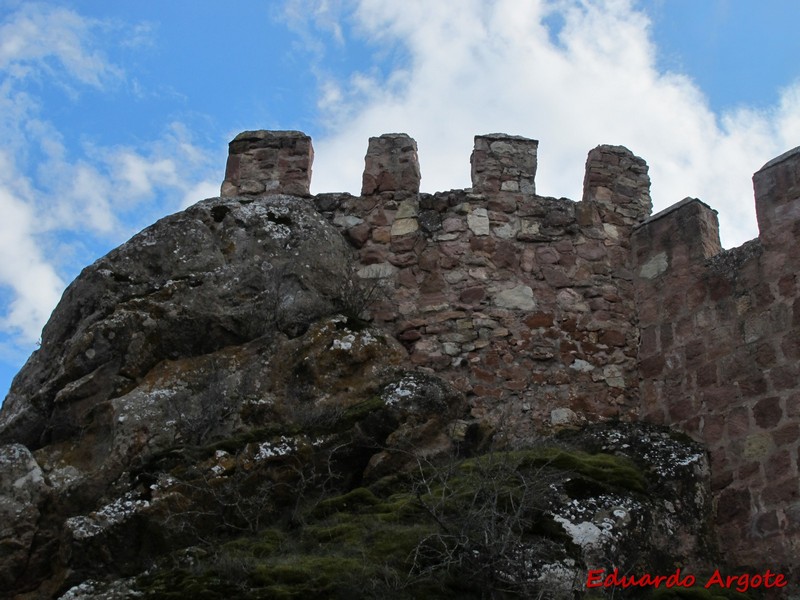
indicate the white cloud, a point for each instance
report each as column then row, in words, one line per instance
column 37, row 35
column 101, row 199
column 200, row 191
column 111, row 191
column 35, row 284
column 495, row 66
column 54, row 198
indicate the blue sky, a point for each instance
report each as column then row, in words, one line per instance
column 113, row 114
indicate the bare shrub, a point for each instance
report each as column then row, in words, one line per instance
column 199, row 415
column 356, row 296
column 210, row 506
column 486, row 511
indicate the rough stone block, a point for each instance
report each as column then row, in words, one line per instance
column 268, row 162
column 504, row 163
column 618, row 182
column 683, row 235
column 768, row 412
column 777, row 192
column 391, row 165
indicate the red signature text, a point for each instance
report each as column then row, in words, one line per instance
column 599, row 578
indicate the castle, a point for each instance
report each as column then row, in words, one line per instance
column 547, row 312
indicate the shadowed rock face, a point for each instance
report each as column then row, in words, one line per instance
column 223, row 272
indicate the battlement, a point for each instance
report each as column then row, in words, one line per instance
column 268, row 162
column 777, row 191
column 549, row 312
column 502, row 166
column 262, row 162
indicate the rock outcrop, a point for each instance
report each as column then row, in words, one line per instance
column 220, row 273
column 402, row 394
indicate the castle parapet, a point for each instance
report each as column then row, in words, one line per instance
column 678, row 237
column 617, row 181
column 718, row 355
column 777, row 192
column 391, row 165
column 268, row 162
column 504, row 163
column 540, row 308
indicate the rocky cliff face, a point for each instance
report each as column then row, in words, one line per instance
column 210, row 416
column 220, row 273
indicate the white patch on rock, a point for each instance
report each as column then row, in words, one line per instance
column 347, row 221
column 613, row 376
column 519, row 298
column 346, row 343
column 559, row 576
column 377, row 271
column 404, row 226
column 120, row 510
column 395, row 393
column 569, row 299
column 581, row 365
column 63, row 476
column 478, row 221
column 285, row 445
column 352, row 340
column 611, row 231
column 407, row 209
column 563, row 416
column 655, row 266
column 585, row 534
column 508, row 230
column 91, row 589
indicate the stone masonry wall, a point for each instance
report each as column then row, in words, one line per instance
column 546, row 311
column 523, row 302
column 719, row 352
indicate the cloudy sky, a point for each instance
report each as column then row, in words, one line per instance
column 113, row 114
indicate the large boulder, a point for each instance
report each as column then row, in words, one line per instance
column 222, row 272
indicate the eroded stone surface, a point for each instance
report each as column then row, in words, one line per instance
column 222, row 272
column 504, row 163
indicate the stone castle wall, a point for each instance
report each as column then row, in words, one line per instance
column 720, row 351
column 546, row 311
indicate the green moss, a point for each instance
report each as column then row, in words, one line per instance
column 346, row 533
column 353, row 501
column 369, row 534
column 308, row 573
column 399, row 508
column 267, row 543
column 380, row 532
column 182, row 583
column 395, row 545
column 358, row 411
column 609, row 469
